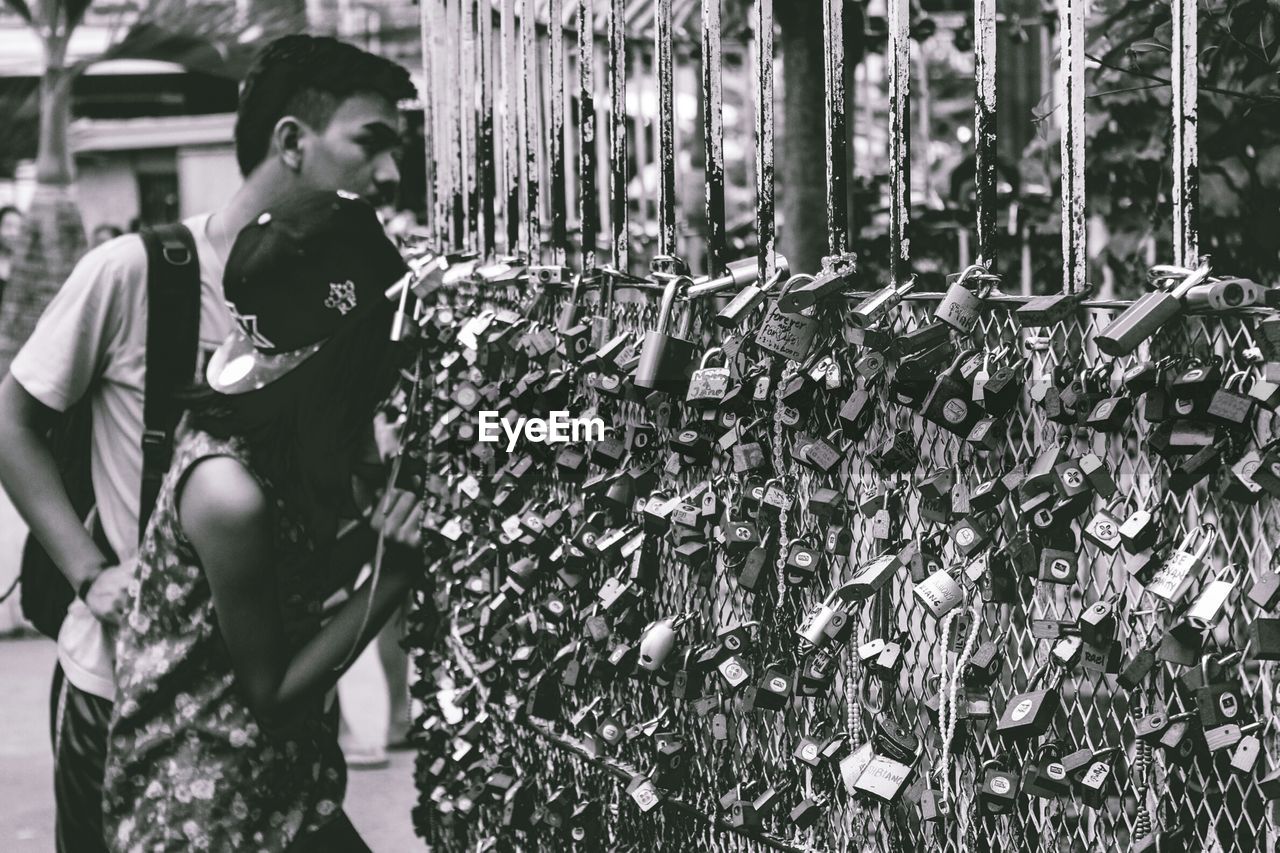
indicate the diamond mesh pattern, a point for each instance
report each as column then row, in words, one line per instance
column 1218, row 804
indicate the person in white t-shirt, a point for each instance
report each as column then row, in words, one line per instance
column 314, row 114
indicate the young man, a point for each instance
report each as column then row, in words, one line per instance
column 314, row 114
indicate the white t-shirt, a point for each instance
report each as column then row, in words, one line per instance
column 92, row 339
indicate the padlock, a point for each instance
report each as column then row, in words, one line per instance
column 1139, row 530
column 884, row 779
column 752, row 293
column 1029, row 714
column 1174, row 577
column 829, row 620
column 1146, row 315
column 1096, row 782
column 1181, row 644
column 707, row 384
column 1059, row 566
column 1046, row 777
column 1137, row 669
column 999, row 790
column 875, row 307
column 785, row 334
column 803, row 562
column 949, row 403
column 1103, row 530
column 939, row 593
column 1205, row 611
column 666, row 361
column 1098, row 623
column 658, row 640
column 961, row 306
column 1244, row 758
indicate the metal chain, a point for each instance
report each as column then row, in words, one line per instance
column 779, row 471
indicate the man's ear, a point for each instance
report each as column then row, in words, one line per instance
column 286, row 142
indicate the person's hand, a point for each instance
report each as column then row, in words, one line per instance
column 108, row 596
column 398, row 516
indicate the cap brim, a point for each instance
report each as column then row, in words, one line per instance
column 237, row 367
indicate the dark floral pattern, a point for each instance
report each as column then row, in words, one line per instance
column 188, row 767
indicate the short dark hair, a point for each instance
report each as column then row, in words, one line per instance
column 308, row 77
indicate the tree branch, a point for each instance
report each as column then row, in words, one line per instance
column 1146, row 75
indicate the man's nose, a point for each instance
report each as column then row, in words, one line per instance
column 386, row 176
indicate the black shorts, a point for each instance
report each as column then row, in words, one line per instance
column 78, row 723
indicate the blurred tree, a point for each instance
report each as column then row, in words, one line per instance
column 209, row 36
column 1129, row 155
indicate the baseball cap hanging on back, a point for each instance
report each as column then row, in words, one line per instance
column 294, row 277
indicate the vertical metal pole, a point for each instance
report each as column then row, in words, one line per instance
column 428, row 114
column 1186, row 146
column 618, row 131
column 763, row 78
column 530, row 106
column 899, row 60
column 486, row 185
column 466, row 122
column 510, row 135
column 453, row 33
column 559, row 213
column 588, row 213
column 1071, row 96
column 666, row 129
column 837, row 161
column 713, row 134
column 984, row 126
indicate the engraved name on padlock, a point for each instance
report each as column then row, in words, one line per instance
column 1172, row 580
column 853, row 765
column 883, row 779
column 939, row 592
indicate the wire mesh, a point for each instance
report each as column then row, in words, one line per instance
column 1221, row 808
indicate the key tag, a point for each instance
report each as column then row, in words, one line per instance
column 961, row 307
column 1173, row 578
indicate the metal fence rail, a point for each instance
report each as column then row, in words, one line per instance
column 497, row 181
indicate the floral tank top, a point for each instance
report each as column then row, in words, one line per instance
column 188, row 767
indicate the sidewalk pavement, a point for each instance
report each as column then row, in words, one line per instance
column 378, row 801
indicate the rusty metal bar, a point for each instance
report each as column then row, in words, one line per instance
column 510, row 135
column 528, row 60
column 1071, row 85
column 1186, row 145
column 559, row 209
column 486, row 185
column 984, row 126
column 762, row 48
column 588, row 213
column 666, row 129
column 457, row 208
column 430, row 136
column 466, row 122
column 713, row 134
column 899, row 70
column 837, row 159
column 618, row 131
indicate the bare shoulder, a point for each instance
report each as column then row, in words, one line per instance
column 219, row 496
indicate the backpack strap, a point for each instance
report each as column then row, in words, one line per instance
column 173, row 344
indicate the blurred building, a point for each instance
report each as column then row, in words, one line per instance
column 152, row 138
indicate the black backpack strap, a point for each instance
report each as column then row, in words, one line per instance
column 173, row 344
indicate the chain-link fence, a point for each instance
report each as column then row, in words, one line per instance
column 725, row 745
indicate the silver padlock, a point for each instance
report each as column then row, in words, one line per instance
column 814, row 630
column 961, row 307
column 853, row 765
column 884, row 778
column 1206, row 610
column 658, row 639
column 1173, row 578
column 939, row 592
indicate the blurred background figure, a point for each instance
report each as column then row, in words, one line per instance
column 10, row 231
column 105, row 232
